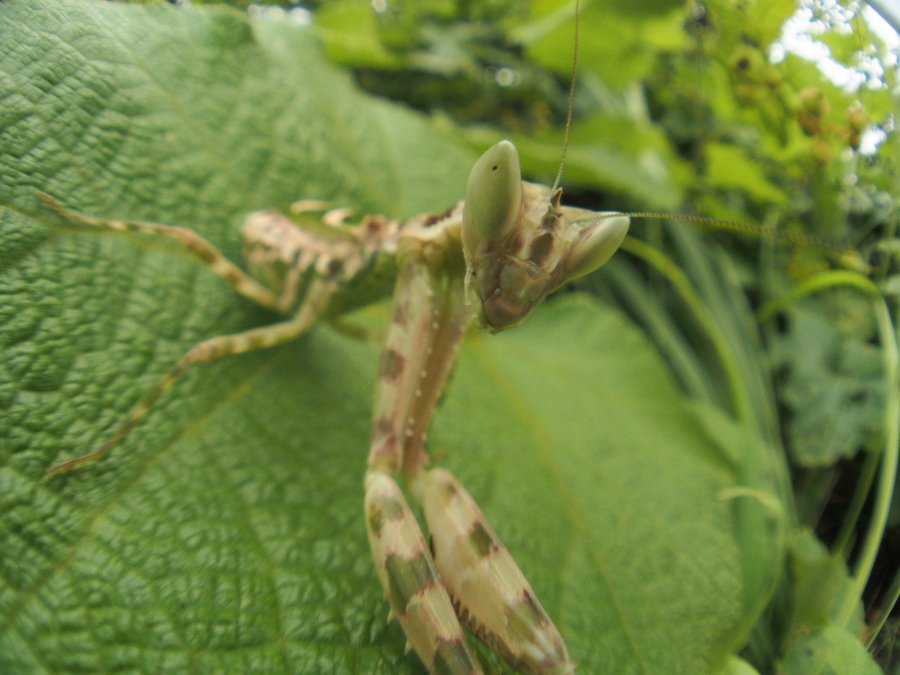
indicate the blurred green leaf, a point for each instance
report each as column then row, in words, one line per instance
column 832, row 651
column 736, row 666
column 845, row 45
column 608, row 152
column 730, row 167
column 820, row 581
column 758, row 23
column 350, row 33
column 640, row 30
column 833, row 385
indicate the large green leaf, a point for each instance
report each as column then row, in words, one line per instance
column 225, row 534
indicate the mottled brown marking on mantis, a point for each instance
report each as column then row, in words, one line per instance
column 382, row 512
column 412, row 586
column 400, row 314
column 489, row 592
column 483, row 540
column 408, row 576
column 392, row 363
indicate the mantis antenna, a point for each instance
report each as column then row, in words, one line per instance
column 851, row 257
column 791, row 237
column 562, row 160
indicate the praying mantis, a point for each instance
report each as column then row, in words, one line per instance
column 497, row 315
column 494, row 257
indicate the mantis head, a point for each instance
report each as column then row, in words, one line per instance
column 520, row 244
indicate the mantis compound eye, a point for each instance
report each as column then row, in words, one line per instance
column 493, row 197
column 595, row 245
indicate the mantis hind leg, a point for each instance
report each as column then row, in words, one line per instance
column 204, row 250
column 211, row 350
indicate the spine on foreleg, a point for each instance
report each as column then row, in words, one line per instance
column 416, row 595
column 489, row 592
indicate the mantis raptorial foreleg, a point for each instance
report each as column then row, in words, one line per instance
column 428, row 319
column 490, row 593
column 411, row 583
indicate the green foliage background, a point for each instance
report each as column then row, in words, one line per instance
column 637, row 477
